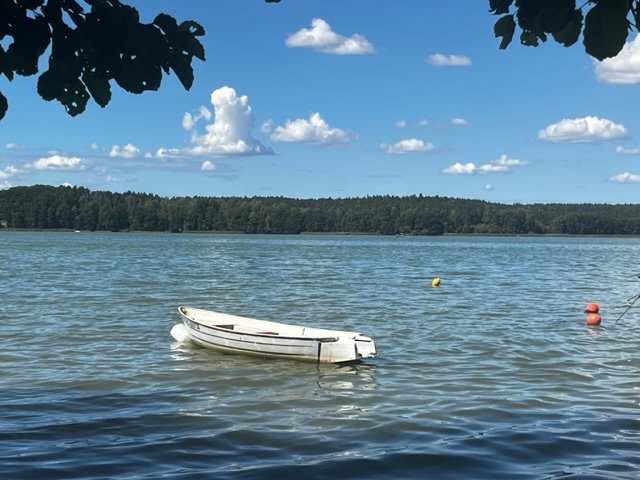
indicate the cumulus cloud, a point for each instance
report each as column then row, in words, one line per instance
column 461, row 169
column 582, row 130
column 126, row 151
column 58, row 162
column 408, row 145
column 624, row 68
column 625, row 177
column 229, row 134
column 401, row 123
column 313, row 130
column 627, row 151
column 207, row 166
column 440, row 60
column 320, row 37
column 189, row 121
column 488, row 187
column 503, row 164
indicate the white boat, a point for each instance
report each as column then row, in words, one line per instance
column 236, row 334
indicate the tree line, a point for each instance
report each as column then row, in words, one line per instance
column 78, row 208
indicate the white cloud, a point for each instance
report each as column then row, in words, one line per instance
column 509, row 162
column 314, row 130
column 208, row 166
column 423, row 122
column 401, row 123
column 492, row 168
column 8, row 172
column 582, row 130
column 625, row 178
column 320, row 37
column 58, row 162
column 624, row 68
column 461, row 169
column 230, row 132
column 126, row 151
column 627, row 151
column 501, row 165
column 189, row 121
column 164, row 153
column 113, row 179
column 5, row 175
column 11, row 145
column 440, row 60
column 459, row 121
column 409, row 145
column 488, row 187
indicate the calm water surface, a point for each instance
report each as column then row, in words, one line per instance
column 491, row 376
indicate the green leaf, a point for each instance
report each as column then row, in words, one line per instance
column 554, row 15
column 167, row 23
column 74, row 97
column 98, row 87
column 181, row 65
column 529, row 39
column 4, row 106
column 30, row 4
column 498, row 7
column 194, row 28
column 136, row 76
column 4, row 68
column 29, row 42
column 505, row 27
column 568, row 35
column 606, row 28
column 49, row 83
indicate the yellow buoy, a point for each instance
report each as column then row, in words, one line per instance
column 435, row 282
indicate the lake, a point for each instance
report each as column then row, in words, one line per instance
column 492, row 375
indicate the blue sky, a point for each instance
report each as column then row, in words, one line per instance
column 327, row 98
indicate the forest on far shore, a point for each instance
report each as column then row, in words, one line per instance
column 78, row 208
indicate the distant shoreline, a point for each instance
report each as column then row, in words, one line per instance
column 325, row 234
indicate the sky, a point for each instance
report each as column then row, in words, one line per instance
column 334, row 98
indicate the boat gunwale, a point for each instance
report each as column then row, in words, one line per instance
column 266, row 335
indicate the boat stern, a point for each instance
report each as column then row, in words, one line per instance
column 365, row 347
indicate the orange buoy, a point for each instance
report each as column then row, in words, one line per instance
column 592, row 308
column 593, row 319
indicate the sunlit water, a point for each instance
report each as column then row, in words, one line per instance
column 493, row 375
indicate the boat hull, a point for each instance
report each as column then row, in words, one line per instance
column 243, row 335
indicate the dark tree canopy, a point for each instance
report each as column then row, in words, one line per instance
column 92, row 43
column 47, row 207
column 604, row 24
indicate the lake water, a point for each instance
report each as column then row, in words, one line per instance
column 493, row 375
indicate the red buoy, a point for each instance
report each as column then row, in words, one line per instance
column 592, row 308
column 593, row 319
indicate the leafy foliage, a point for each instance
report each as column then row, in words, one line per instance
column 46, row 207
column 605, row 26
column 91, row 45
